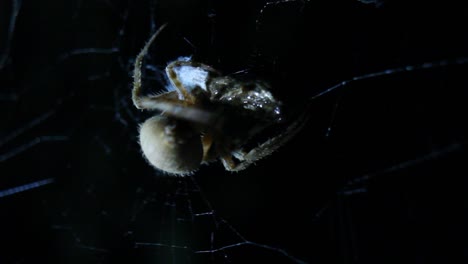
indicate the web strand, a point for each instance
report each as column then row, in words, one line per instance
column 393, row 71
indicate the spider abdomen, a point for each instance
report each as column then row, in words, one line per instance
column 171, row 145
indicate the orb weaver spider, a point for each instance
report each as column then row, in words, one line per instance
column 204, row 116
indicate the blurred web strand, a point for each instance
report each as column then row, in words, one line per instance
column 409, row 68
column 77, row 239
column 25, row 187
column 127, row 107
column 30, row 144
column 173, row 216
column 140, row 244
column 333, row 116
column 106, row 148
column 210, row 211
column 267, row 5
column 152, row 15
column 100, row 76
column 400, row 166
column 117, row 107
column 31, row 124
column 182, row 191
column 36, row 121
column 16, row 6
column 86, row 51
column 94, row 249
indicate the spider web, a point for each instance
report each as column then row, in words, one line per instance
column 377, row 175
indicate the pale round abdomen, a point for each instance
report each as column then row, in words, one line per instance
column 171, row 145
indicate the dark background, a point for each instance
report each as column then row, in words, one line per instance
column 378, row 175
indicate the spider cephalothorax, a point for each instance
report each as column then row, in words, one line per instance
column 204, row 115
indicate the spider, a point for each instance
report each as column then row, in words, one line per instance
column 204, row 116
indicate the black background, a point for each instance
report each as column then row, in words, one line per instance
column 378, row 175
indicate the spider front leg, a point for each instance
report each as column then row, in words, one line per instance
column 169, row 104
column 136, row 92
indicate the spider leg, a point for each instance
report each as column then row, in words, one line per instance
column 169, row 104
column 136, row 92
column 230, row 165
column 151, row 102
column 207, row 143
column 264, row 149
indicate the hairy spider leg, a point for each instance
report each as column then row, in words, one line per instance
column 170, row 105
column 137, row 97
column 264, row 149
